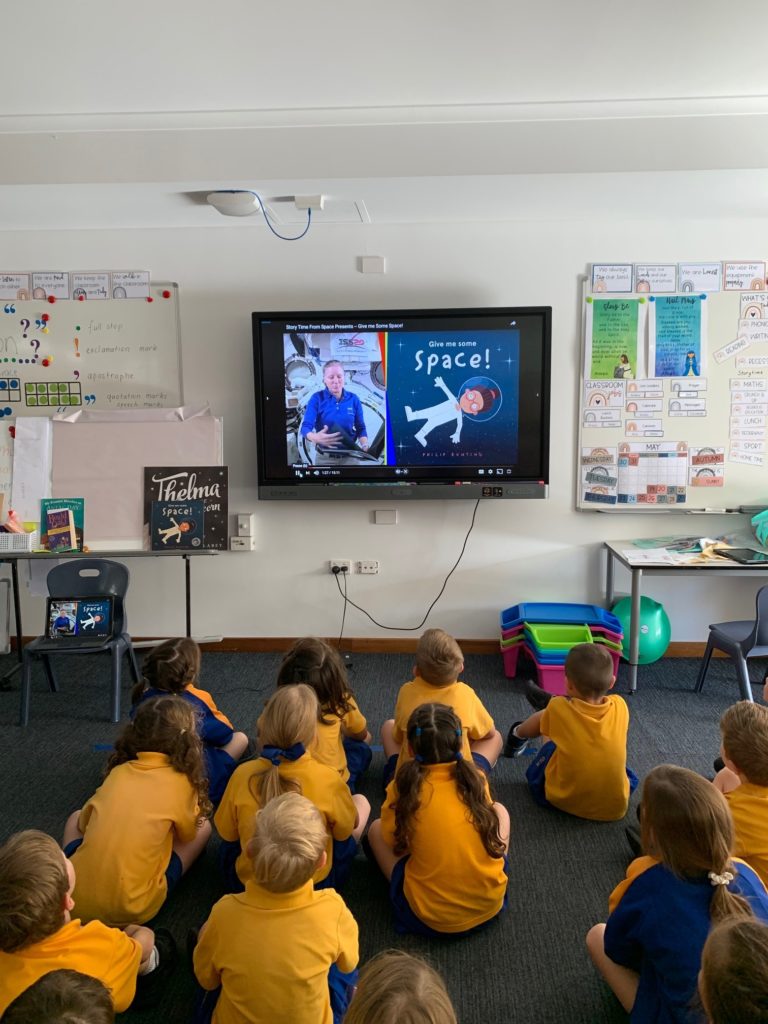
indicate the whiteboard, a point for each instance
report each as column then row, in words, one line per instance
column 96, row 354
column 673, row 430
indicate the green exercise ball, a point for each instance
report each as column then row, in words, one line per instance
column 655, row 629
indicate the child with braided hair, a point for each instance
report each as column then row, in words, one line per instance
column 649, row 951
column 441, row 841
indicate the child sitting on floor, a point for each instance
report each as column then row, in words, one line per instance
column 582, row 766
column 342, row 739
column 174, row 667
column 62, row 997
column 281, row 950
column 441, row 841
column 397, row 988
column 649, row 951
column 733, row 983
column 38, row 934
column 146, row 824
column 439, row 662
column 287, row 728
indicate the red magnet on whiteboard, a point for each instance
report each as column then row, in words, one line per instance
column 150, row 299
column 81, row 298
column 44, row 317
column 166, row 294
column 46, row 362
column 12, row 431
column 51, row 299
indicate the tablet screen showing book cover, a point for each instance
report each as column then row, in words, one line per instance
column 89, row 618
column 195, row 496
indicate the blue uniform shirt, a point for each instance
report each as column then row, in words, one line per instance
column 344, row 415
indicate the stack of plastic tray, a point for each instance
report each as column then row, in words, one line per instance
column 546, row 632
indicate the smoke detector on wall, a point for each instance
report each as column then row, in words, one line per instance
column 234, row 203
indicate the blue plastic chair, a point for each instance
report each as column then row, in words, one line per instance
column 84, row 577
column 741, row 639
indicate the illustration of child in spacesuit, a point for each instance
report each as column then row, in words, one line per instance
column 90, row 622
column 472, row 401
column 176, row 530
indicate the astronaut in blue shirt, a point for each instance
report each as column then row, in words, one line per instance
column 334, row 417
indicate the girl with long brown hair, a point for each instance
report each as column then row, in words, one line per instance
column 147, row 822
column 649, row 951
column 441, row 841
column 286, row 732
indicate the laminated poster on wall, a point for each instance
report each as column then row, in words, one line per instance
column 176, row 487
column 677, row 335
column 652, row 473
column 614, row 333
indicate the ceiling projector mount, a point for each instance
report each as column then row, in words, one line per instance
column 243, row 203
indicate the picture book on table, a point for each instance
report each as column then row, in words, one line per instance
column 62, row 524
column 176, row 525
column 183, row 487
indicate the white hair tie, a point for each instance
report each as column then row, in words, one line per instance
column 723, row 879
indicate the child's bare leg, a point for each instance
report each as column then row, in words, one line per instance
column 146, row 939
column 71, row 830
column 237, row 746
column 388, row 739
column 504, row 826
column 189, row 852
column 363, row 813
column 726, row 780
column 530, row 728
column 385, row 855
column 490, row 747
column 622, row 980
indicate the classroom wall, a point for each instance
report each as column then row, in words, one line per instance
column 519, row 550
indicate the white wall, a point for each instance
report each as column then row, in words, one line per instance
column 519, row 550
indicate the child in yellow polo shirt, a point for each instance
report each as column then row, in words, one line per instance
column 38, row 933
column 582, row 766
column 62, row 997
column 281, row 951
column 744, row 780
column 439, row 662
column 441, row 841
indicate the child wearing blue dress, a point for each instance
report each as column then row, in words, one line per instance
column 173, row 667
column 649, row 951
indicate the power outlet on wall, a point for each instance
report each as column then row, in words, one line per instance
column 337, row 565
column 368, row 567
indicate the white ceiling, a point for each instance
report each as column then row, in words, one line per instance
column 114, row 116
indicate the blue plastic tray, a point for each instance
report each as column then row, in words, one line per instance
column 577, row 614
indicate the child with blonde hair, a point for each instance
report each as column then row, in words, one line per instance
column 744, row 780
column 397, row 988
column 733, row 983
column 441, row 841
column 38, row 933
column 147, row 823
column 342, row 739
column 287, row 729
column 439, row 662
column 281, row 951
column 649, row 951
column 174, row 667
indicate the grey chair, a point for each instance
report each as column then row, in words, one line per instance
column 740, row 639
column 84, row 577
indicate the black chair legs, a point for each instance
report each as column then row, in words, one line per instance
column 704, row 667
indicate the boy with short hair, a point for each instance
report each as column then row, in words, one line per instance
column 62, row 997
column 744, row 780
column 278, row 947
column 439, row 662
column 38, row 934
column 582, row 766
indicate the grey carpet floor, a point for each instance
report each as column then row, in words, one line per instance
column 532, row 963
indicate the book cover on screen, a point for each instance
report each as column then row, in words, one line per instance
column 55, row 524
column 176, row 525
column 184, row 485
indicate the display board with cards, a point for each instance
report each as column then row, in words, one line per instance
column 673, row 409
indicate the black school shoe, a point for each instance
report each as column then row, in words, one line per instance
column 536, row 696
column 514, row 745
column 718, row 764
column 150, row 987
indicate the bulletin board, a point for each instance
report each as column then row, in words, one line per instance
column 56, row 357
column 673, row 408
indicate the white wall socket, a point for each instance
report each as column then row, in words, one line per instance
column 368, row 567
column 245, row 524
column 342, row 563
column 242, row 543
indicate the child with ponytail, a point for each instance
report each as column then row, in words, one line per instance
column 147, row 822
column 286, row 730
column 441, row 841
column 342, row 739
column 174, row 667
column 650, row 950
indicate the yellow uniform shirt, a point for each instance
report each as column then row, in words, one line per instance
column 271, row 953
column 587, row 774
column 451, row 881
column 475, row 720
column 94, row 949
column 328, row 748
column 749, row 807
column 129, row 825
column 320, row 784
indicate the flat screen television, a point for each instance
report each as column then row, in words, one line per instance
column 403, row 404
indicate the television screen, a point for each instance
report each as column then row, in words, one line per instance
column 437, row 403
